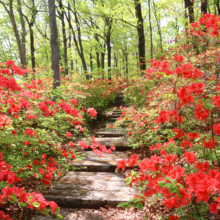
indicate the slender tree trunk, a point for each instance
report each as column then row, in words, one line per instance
column 108, row 42
column 151, row 34
column 23, row 46
column 62, row 18
column 91, row 62
column 126, row 61
column 32, row 47
column 103, row 62
column 158, row 26
column 123, row 68
column 31, row 25
column 116, row 64
column 141, row 37
column 189, row 5
column 70, row 44
column 204, row 5
column 218, row 7
column 54, row 43
column 98, row 60
column 74, row 35
column 80, row 41
column 70, row 37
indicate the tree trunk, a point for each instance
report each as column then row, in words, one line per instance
column 218, row 7
column 80, row 41
column 103, row 62
column 126, row 61
column 15, row 28
column 70, row 44
column 108, row 42
column 91, row 62
column 31, row 24
column 204, row 5
column 54, row 43
column 158, row 26
column 151, row 34
column 189, row 5
column 32, row 47
column 97, row 60
column 116, row 64
column 70, row 38
column 23, row 46
column 141, row 37
column 65, row 55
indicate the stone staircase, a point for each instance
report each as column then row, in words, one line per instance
column 97, row 185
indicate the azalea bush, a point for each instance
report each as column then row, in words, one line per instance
column 10, row 194
column 93, row 93
column 34, row 123
column 180, row 125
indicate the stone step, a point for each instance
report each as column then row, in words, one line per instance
column 121, row 95
column 113, row 122
column 117, row 111
column 119, row 103
column 113, row 119
column 95, row 163
column 108, row 132
column 120, row 143
column 90, row 190
column 109, row 123
column 115, row 116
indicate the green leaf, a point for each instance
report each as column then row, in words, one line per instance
column 161, row 183
column 128, row 180
column 170, row 179
column 180, row 185
column 58, row 216
column 30, row 198
column 22, row 204
column 172, row 188
column 140, row 205
column 178, row 192
column 36, row 204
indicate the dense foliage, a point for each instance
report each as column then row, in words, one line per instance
column 33, row 128
column 180, row 125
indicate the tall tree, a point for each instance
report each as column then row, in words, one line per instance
column 151, row 34
column 19, row 39
column 158, row 26
column 23, row 32
column 62, row 18
column 218, row 7
column 31, row 22
column 189, row 5
column 77, row 36
column 204, row 5
column 141, row 36
column 54, row 43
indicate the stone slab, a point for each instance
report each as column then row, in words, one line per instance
column 121, row 95
column 120, row 143
column 115, row 116
column 95, row 163
column 113, row 119
column 90, row 190
column 111, row 123
column 117, row 111
column 108, row 132
column 109, row 141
